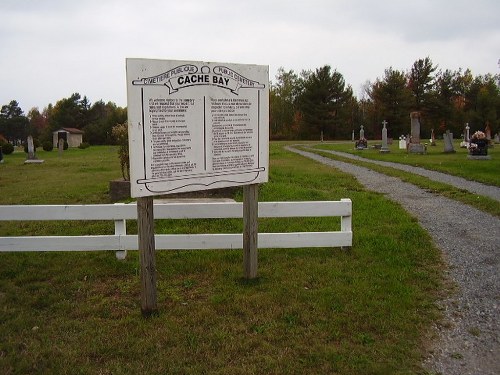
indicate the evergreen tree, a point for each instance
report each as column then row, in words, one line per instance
column 393, row 101
column 13, row 123
column 421, row 83
column 324, row 104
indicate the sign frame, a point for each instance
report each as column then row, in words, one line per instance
column 196, row 125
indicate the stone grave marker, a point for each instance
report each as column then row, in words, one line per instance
column 487, row 131
column 32, row 159
column 402, row 142
column 448, row 142
column 361, row 144
column 465, row 141
column 384, row 148
column 60, row 146
column 478, row 147
column 415, row 147
column 433, row 138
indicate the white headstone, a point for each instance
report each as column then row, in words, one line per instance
column 402, row 143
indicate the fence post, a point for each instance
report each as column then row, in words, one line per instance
column 146, row 238
column 346, row 221
column 250, row 230
column 121, row 229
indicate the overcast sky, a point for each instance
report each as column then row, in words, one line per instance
column 50, row 49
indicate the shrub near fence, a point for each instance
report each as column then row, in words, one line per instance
column 121, row 241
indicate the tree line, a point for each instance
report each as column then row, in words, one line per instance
column 96, row 120
column 308, row 105
column 319, row 102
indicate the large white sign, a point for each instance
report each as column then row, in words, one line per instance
column 196, row 125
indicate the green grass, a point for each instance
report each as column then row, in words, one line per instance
column 367, row 310
column 478, row 201
column 78, row 176
column 485, row 171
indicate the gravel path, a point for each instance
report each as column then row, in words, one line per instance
column 459, row 182
column 467, row 342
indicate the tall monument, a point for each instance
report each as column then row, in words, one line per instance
column 415, row 147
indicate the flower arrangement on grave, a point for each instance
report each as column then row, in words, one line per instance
column 478, row 144
column 361, row 143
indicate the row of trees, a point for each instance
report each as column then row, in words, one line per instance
column 319, row 102
column 96, row 120
column 306, row 105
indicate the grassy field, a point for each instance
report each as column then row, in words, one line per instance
column 367, row 310
column 457, row 164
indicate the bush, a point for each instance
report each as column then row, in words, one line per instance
column 7, row 149
column 48, row 146
column 84, row 145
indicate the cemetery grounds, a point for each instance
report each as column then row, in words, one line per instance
column 365, row 310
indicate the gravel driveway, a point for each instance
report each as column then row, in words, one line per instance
column 467, row 341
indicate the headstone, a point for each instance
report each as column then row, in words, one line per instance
column 487, row 131
column 448, row 142
column 478, row 147
column 322, row 136
column 362, row 143
column 415, row 127
column 31, row 153
column 465, row 142
column 384, row 147
column 402, row 142
column 60, row 146
column 433, row 138
column 353, row 135
column 31, row 148
column 415, row 147
column 497, row 138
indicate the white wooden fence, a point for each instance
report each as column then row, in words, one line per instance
column 121, row 241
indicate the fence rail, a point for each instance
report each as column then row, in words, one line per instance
column 120, row 241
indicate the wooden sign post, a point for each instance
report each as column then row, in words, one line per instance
column 146, row 234
column 192, row 126
column 250, row 230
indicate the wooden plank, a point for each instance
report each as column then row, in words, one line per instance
column 146, row 243
column 174, row 241
column 304, row 239
column 250, row 230
column 346, row 219
column 304, row 209
column 60, row 243
column 68, row 212
column 173, row 210
column 205, row 210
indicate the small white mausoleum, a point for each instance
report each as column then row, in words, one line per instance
column 73, row 136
